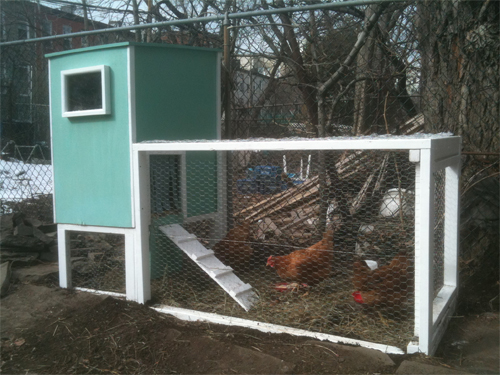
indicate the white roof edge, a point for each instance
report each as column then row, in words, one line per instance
column 417, row 141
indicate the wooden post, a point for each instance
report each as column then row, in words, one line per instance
column 64, row 255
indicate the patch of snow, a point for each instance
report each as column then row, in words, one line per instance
column 20, row 181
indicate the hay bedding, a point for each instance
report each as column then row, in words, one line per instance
column 327, row 308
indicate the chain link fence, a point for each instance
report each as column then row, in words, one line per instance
column 389, row 67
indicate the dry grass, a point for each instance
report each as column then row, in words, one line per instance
column 327, row 308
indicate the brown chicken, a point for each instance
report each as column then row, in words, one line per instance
column 306, row 266
column 387, row 286
column 234, row 250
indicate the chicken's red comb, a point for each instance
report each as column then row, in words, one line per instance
column 270, row 261
column 357, row 297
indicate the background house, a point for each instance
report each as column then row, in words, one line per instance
column 23, row 73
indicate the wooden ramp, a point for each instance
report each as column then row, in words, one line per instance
column 208, row 262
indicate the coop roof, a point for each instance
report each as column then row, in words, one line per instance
column 128, row 44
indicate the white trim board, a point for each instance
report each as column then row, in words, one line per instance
column 192, row 315
column 337, row 143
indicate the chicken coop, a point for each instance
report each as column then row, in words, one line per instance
column 351, row 240
column 104, row 99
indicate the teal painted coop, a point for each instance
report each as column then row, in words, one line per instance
column 104, row 100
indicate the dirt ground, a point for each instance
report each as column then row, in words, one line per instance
column 45, row 329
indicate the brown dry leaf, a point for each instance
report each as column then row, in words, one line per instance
column 19, row 342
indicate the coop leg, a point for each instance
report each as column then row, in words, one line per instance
column 64, row 255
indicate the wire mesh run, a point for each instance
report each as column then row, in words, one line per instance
column 325, row 239
column 98, row 261
column 439, row 212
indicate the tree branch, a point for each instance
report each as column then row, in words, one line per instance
column 369, row 25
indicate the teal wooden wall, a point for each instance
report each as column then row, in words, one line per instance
column 176, row 92
column 91, row 154
column 175, row 98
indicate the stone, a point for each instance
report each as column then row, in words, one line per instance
column 42, row 236
column 83, row 267
column 7, row 220
column 48, row 228
column 49, row 256
column 36, row 273
column 4, row 278
column 18, row 218
column 410, row 367
column 23, row 230
column 357, row 358
column 7, row 223
column 21, row 258
column 32, row 222
column 22, row 244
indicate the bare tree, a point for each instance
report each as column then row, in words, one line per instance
column 460, row 49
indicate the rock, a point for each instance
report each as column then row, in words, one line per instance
column 36, row 273
column 103, row 245
column 32, row 222
column 21, row 258
column 83, row 266
column 23, row 230
column 49, row 256
column 22, row 244
column 356, row 358
column 48, row 228
column 42, row 236
column 243, row 360
column 409, row 367
column 218, row 357
column 7, row 221
column 6, row 225
column 4, row 278
column 18, row 218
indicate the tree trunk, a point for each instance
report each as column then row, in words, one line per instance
column 460, row 82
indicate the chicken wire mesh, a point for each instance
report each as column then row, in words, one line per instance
column 307, row 268
column 439, row 223
column 26, row 180
column 97, row 261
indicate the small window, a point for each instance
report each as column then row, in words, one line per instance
column 68, row 42
column 47, row 31
column 85, row 91
column 23, row 31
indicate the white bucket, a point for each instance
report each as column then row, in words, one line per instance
column 391, row 204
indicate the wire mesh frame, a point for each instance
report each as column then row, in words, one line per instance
column 432, row 314
column 98, row 261
column 124, row 262
column 439, row 212
column 420, row 152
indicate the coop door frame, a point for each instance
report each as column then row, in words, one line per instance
column 430, row 153
column 142, row 209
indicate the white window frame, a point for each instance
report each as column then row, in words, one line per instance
column 67, row 29
column 105, row 87
column 23, row 26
